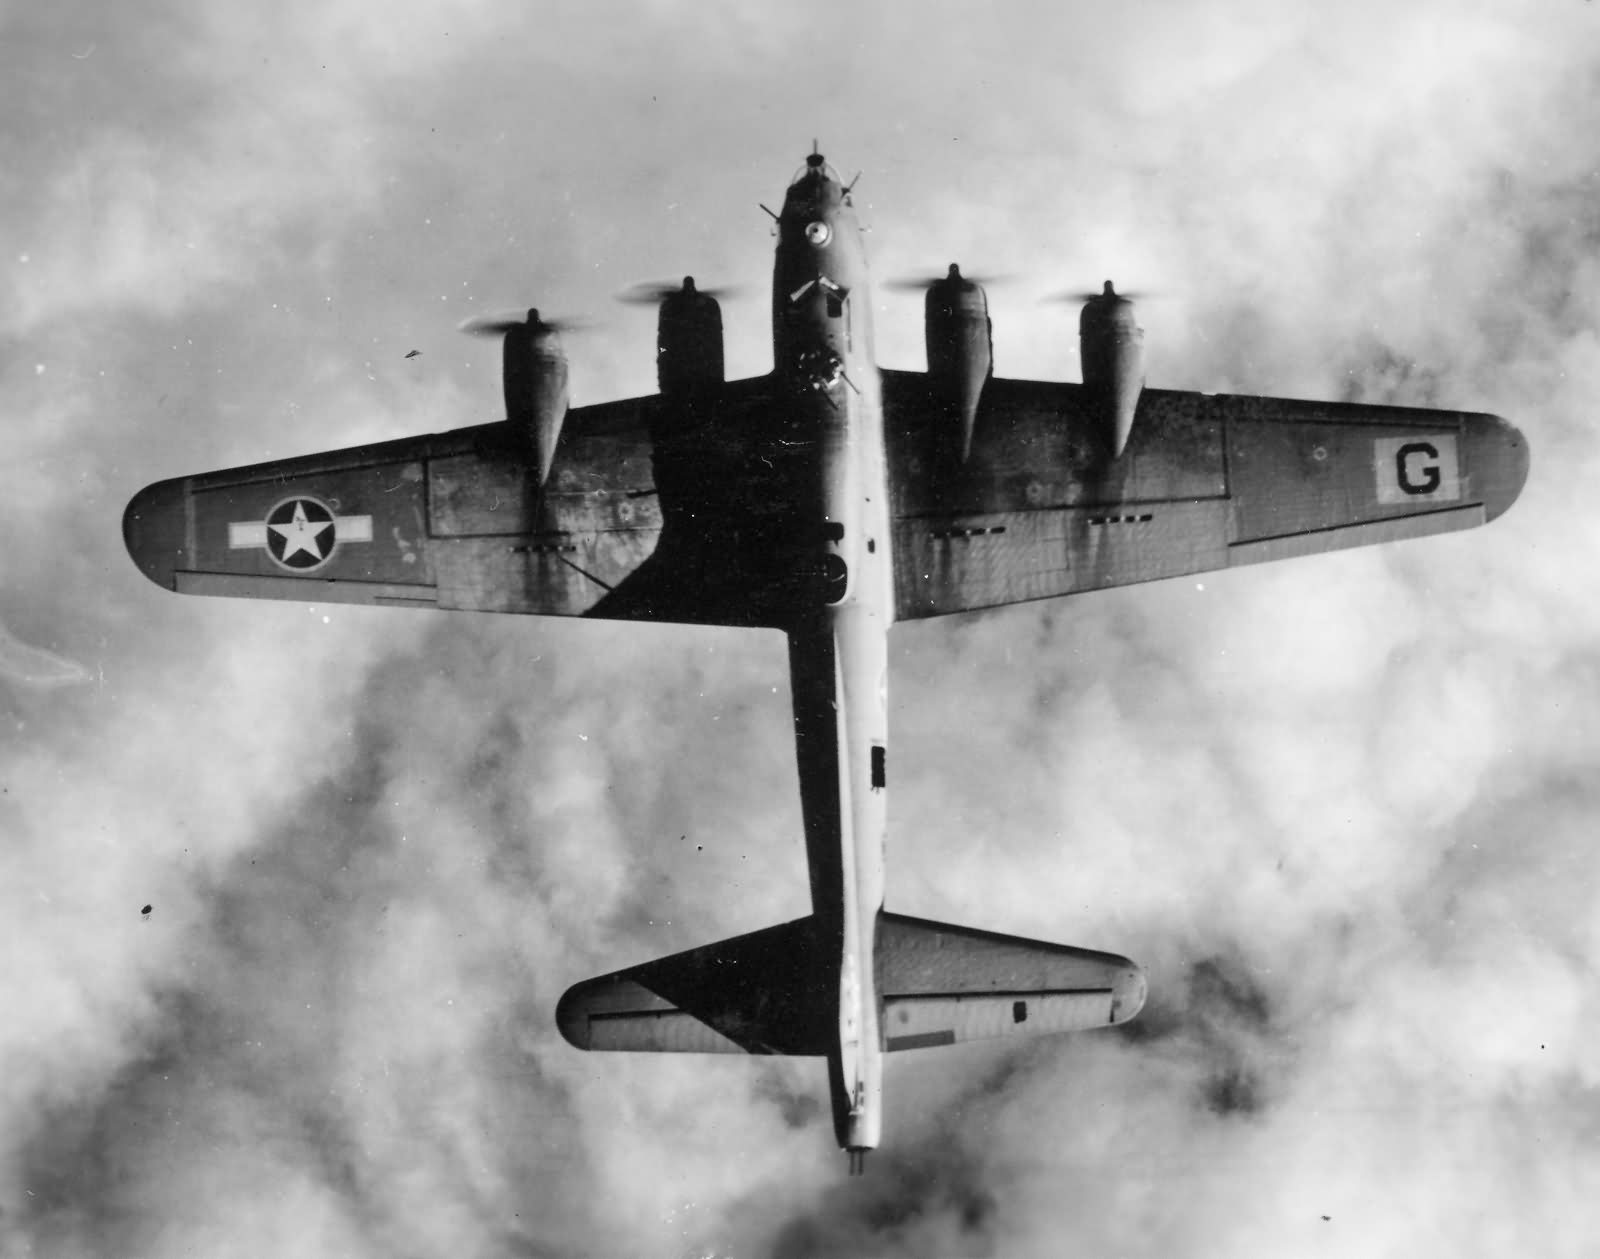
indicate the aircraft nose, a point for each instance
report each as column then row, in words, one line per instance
column 153, row 530
column 1499, row 461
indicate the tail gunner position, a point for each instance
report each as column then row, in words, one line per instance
column 829, row 499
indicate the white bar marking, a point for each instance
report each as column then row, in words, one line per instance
column 244, row 534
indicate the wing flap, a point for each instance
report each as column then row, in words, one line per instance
column 554, row 574
column 961, row 563
column 945, row 985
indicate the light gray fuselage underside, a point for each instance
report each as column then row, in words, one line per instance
column 838, row 650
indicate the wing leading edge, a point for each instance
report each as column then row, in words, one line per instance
column 1206, row 482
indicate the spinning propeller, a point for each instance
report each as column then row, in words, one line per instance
column 654, row 294
column 921, row 283
column 498, row 325
column 1078, row 296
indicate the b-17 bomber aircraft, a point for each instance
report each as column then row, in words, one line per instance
column 830, row 499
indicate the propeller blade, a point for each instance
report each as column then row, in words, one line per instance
column 1077, row 297
column 921, row 283
column 654, row 294
column 499, row 325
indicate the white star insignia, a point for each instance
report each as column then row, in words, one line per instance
column 302, row 535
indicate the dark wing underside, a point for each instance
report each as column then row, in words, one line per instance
column 763, row 993
column 647, row 515
column 1206, row 482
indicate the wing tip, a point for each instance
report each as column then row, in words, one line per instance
column 572, row 1014
column 1501, row 460
column 153, row 530
column 1128, row 992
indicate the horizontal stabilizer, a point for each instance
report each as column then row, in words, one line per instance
column 762, row 993
column 776, row 991
column 943, row 985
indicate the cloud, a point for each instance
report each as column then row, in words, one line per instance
column 34, row 666
column 1340, row 807
column 179, row 164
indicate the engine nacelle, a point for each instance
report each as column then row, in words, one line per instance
column 689, row 343
column 1111, row 349
column 960, row 347
column 535, row 377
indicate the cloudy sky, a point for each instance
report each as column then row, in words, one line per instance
column 1342, row 808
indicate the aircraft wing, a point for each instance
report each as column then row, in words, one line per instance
column 1207, row 481
column 457, row 520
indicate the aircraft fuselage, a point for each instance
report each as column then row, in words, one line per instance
column 838, row 648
